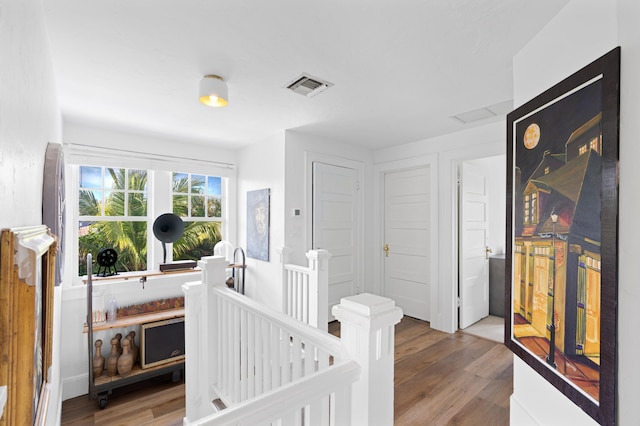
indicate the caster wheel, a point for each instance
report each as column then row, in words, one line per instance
column 102, row 403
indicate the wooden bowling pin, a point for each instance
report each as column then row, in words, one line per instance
column 125, row 361
column 112, row 359
column 133, row 347
column 98, row 360
column 119, row 337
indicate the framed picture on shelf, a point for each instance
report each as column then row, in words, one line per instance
column 561, row 264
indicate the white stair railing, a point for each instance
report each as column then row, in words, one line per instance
column 268, row 368
column 305, row 290
column 322, row 398
column 260, row 349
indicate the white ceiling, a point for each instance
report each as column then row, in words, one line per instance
column 400, row 68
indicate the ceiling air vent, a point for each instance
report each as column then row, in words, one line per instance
column 307, row 85
column 499, row 109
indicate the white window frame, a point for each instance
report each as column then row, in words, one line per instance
column 159, row 175
column 190, row 195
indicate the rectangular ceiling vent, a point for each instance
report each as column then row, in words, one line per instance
column 499, row 109
column 307, row 85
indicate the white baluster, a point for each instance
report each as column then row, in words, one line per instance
column 251, row 356
column 306, row 299
column 266, row 349
column 235, row 342
column 285, row 353
column 296, row 358
column 343, row 409
column 275, row 355
column 284, row 253
column 259, row 346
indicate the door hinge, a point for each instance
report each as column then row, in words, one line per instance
column 357, row 185
column 458, row 301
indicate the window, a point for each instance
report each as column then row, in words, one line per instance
column 112, row 213
column 531, row 208
column 534, row 208
column 197, row 199
column 583, row 149
column 115, row 208
column 595, row 144
column 196, row 196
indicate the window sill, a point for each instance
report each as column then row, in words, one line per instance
column 124, row 276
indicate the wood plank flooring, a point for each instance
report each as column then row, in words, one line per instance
column 440, row 379
column 450, row 379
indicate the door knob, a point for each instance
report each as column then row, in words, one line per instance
column 386, row 250
column 487, row 250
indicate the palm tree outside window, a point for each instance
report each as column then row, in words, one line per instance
column 197, row 199
column 113, row 212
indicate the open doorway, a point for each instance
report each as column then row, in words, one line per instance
column 481, row 245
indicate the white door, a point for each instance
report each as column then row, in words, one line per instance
column 334, row 226
column 406, row 241
column 474, row 236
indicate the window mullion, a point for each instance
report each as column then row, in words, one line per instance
column 160, row 187
column 125, row 194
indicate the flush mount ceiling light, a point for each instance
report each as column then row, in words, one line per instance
column 213, row 91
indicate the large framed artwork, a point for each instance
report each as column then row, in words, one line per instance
column 562, row 205
column 258, row 224
column 27, row 276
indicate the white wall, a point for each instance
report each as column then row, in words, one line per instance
column 583, row 31
column 29, row 118
column 629, row 205
column 260, row 166
column 478, row 142
column 29, row 112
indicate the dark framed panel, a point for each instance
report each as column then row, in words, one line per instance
column 53, row 200
column 561, row 262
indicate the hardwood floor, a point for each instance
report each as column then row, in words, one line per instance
column 158, row 401
column 440, row 379
column 450, row 379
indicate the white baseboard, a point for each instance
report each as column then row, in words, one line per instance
column 75, row 386
column 54, row 409
column 519, row 415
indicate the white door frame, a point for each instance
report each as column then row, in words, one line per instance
column 309, row 159
column 380, row 170
column 448, row 162
column 455, row 163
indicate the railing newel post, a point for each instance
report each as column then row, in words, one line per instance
column 319, row 288
column 367, row 329
column 201, row 336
